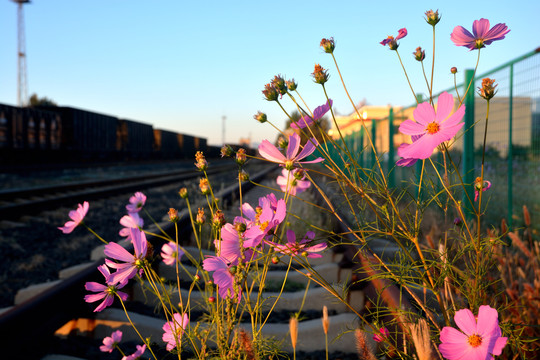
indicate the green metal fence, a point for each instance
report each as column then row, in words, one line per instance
column 513, row 139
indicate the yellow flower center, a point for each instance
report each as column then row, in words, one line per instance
column 475, row 340
column 432, row 128
column 264, row 225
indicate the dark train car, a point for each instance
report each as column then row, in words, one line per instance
column 134, row 140
column 167, row 144
column 88, row 135
column 29, row 135
column 189, row 146
column 201, row 144
column 213, row 151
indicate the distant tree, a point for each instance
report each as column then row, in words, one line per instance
column 44, row 101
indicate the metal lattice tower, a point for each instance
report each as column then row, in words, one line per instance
column 22, row 81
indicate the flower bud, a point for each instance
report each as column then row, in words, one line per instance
column 419, row 54
column 183, row 193
column 328, row 45
column 432, row 17
column 241, row 156
column 211, row 299
column 279, row 84
column 291, row 85
column 270, row 93
column 487, row 90
column 458, row 221
column 453, row 70
column 219, row 219
column 260, row 117
column 320, row 75
column 173, row 215
column 275, row 260
column 200, row 161
column 227, row 151
column 282, row 142
column 243, row 176
column 240, row 227
column 204, row 185
column 201, row 218
column 382, row 336
column 233, row 269
column 196, row 277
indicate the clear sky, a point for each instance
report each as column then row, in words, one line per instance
column 183, row 65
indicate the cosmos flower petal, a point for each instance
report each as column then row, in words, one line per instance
column 498, row 346
column 462, row 37
column 115, row 251
column 321, row 110
column 445, row 104
column 455, row 117
column 270, row 152
column 488, row 320
column 94, row 286
column 294, row 146
column 308, row 149
column 424, row 113
column 465, row 320
column 409, row 127
column 480, row 28
column 421, row 149
column 497, row 32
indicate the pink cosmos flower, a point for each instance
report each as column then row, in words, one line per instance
column 223, row 277
column 479, row 339
column 173, row 330
column 318, row 113
column 384, row 333
column 106, row 292
column 293, row 181
column 294, row 155
column 170, row 253
column 137, row 354
column 130, row 221
column 432, row 127
column 136, row 202
column 293, row 248
column 267, row 216
column 391, row 42
column 129, row 264
column 482, row 35
column 77, row 216
column 479, row 186
column 110, row 342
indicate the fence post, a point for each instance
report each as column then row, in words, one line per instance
column 510, row 146
column 374, row 139
column 391, row 164
column 468, row 136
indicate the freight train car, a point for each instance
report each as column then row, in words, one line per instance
column 134, row 140
column 24, row 131
column 88, row 135
column 66, row 134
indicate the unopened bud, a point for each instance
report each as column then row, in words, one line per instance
column 432, row 17
column 487, row 90
column 270, row 93
column 243, row 176
column 291, row 85
column 275, row 260
column 320, row 75
column 227, row 151
column 183, row 193
column 204, row 185
column 241, row 156
column 279, row 84
column 219, row 219
column 211, row 299
column 419, row 54
column 260, row 117
column 453, row 70
column 173, row 215
column 200, row 161
column 201, row 218
column 328, row 45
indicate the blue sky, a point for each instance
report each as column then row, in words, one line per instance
column 183, row 65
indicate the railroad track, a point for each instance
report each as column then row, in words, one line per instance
column 41, row 316
column 15, row 203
